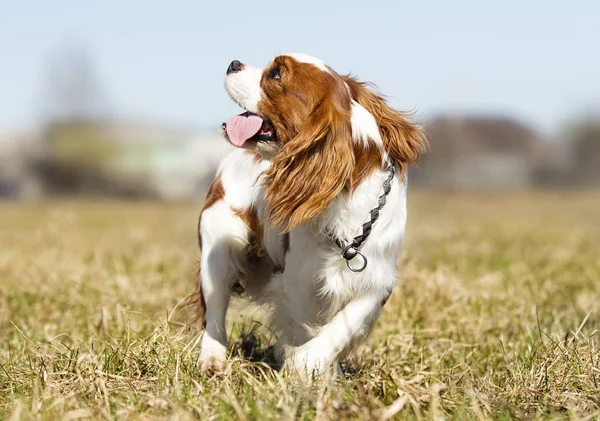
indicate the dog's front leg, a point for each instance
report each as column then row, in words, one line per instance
column 347, row 328
column 216, row 293
column 220, row 231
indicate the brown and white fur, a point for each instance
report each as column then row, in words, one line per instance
column 264, row 226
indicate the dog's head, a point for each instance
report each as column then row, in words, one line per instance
column 322, row 132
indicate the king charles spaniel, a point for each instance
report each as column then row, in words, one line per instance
column 307, row 215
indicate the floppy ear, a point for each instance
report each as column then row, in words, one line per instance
column 403, row 140
column 311, row 169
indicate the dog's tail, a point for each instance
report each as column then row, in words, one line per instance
column 191, row 310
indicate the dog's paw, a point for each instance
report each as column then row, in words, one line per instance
column 213, row 364
column 307, row 364
column 213, row 356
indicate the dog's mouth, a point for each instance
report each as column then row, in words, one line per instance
column 248, row 127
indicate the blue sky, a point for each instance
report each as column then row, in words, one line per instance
column 534, row 60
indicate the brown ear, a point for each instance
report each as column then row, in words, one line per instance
column 403, row 140
column 311, row 169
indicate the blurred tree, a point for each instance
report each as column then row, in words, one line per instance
column 479, row 152
column 585, row 140
column 75, row 118
column 72, row 90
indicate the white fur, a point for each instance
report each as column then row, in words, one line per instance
column 225, row 231
column 244, row 87
column 224, row 236
column 305, row 58
column 350, row 324
column 316, row 292
column 321, row 309
column 364, row 126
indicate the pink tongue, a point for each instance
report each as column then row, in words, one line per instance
column 242, row 127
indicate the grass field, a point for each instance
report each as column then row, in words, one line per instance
column 497, row 317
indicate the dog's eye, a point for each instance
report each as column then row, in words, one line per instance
column 275, row 73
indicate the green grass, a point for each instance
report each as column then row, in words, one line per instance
column 497, row 317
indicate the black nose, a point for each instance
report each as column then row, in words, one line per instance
column 235, row 66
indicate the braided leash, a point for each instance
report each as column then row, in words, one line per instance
column 352, row 249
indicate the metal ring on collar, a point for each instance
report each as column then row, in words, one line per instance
column 364, row 262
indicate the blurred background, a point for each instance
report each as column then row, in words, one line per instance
column 126, row 98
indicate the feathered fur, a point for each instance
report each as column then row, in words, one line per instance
column 268, row 221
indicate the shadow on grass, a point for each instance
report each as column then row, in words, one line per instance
column 249, row 344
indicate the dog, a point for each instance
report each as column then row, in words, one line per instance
column 307, row 214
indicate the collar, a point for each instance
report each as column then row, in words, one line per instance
column 351, row 249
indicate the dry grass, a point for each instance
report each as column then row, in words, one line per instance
column 497, row 318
